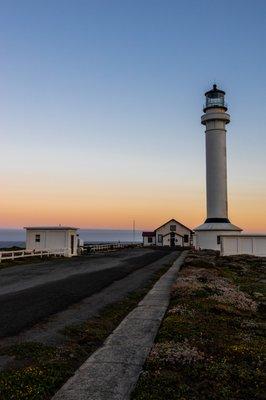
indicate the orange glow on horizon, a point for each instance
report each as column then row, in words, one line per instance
column 117, row 211
column 114, row 204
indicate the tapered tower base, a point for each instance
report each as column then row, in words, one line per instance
column 207, row 235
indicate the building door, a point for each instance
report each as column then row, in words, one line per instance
column 72, row 242
column 172, row 239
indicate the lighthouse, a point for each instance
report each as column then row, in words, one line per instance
column 215, row 119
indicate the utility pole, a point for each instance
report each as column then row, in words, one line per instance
column 134, row 231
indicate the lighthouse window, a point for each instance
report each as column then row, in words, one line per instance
column 37, row 238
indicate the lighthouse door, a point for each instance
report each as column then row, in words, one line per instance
column 72, row 238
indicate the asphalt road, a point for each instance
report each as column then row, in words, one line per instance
column 31, row 293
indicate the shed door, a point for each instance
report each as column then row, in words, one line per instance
column 72, row 242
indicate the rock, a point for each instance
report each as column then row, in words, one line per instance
column 262, row 307
column 257, row 295
column 200, row 263
column 5, row 360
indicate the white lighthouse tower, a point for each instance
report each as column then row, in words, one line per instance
column 217, row 223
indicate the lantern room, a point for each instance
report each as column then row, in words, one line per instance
column 214, row 99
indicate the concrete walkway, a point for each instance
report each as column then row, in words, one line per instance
column 112, row 371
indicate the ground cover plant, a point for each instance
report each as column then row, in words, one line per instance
column 38, row 371
column 26, row 260
column 211, row 344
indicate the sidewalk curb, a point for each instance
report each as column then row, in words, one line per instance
column 112, row 371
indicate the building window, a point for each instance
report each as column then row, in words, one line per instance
column 149, row 239
column 172, row 228
column 218, row 239
column 37, row 238
column 186, row 238
column 160, row 238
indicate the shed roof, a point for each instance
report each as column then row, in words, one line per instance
column 148, row 234
column 242, row 235
column 51, row 228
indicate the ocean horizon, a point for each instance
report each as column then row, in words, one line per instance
column 17, row 237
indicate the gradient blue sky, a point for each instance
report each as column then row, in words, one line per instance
column 100, row 105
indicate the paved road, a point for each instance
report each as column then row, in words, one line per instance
column 24, row 276
column 32, row 292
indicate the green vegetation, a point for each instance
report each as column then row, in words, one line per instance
column 211, row 343
column 38, row 371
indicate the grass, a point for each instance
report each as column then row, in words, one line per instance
column 211, row 343
column 38, row 371
column 26, row 260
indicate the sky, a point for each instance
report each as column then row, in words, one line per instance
column 100, row 106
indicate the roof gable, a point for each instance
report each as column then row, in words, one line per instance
column 177, row 222
column 176, row 234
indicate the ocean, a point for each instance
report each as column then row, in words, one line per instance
column 17, row 237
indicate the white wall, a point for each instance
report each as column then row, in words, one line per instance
column 244, row 244
column 30, row 240
column 216, row 175
column 147, row 243
column 208, row 239
column 181, row 230
column 51, row 240
column 178, row 240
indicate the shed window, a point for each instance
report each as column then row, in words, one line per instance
column 149, row 239
column 218, row 239
column 37, row 238
column 160, row 238
column 186, row 238
column 172, row 228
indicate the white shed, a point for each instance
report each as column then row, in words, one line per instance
column 52, row 238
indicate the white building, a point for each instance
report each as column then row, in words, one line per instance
column 172, row 233
column 52, row 238
column 217, row 223
column 243, row 244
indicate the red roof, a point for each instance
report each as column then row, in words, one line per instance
column 148, row 234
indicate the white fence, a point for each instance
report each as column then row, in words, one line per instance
column 243, row 244
column 109, row 247
column 12, row 255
